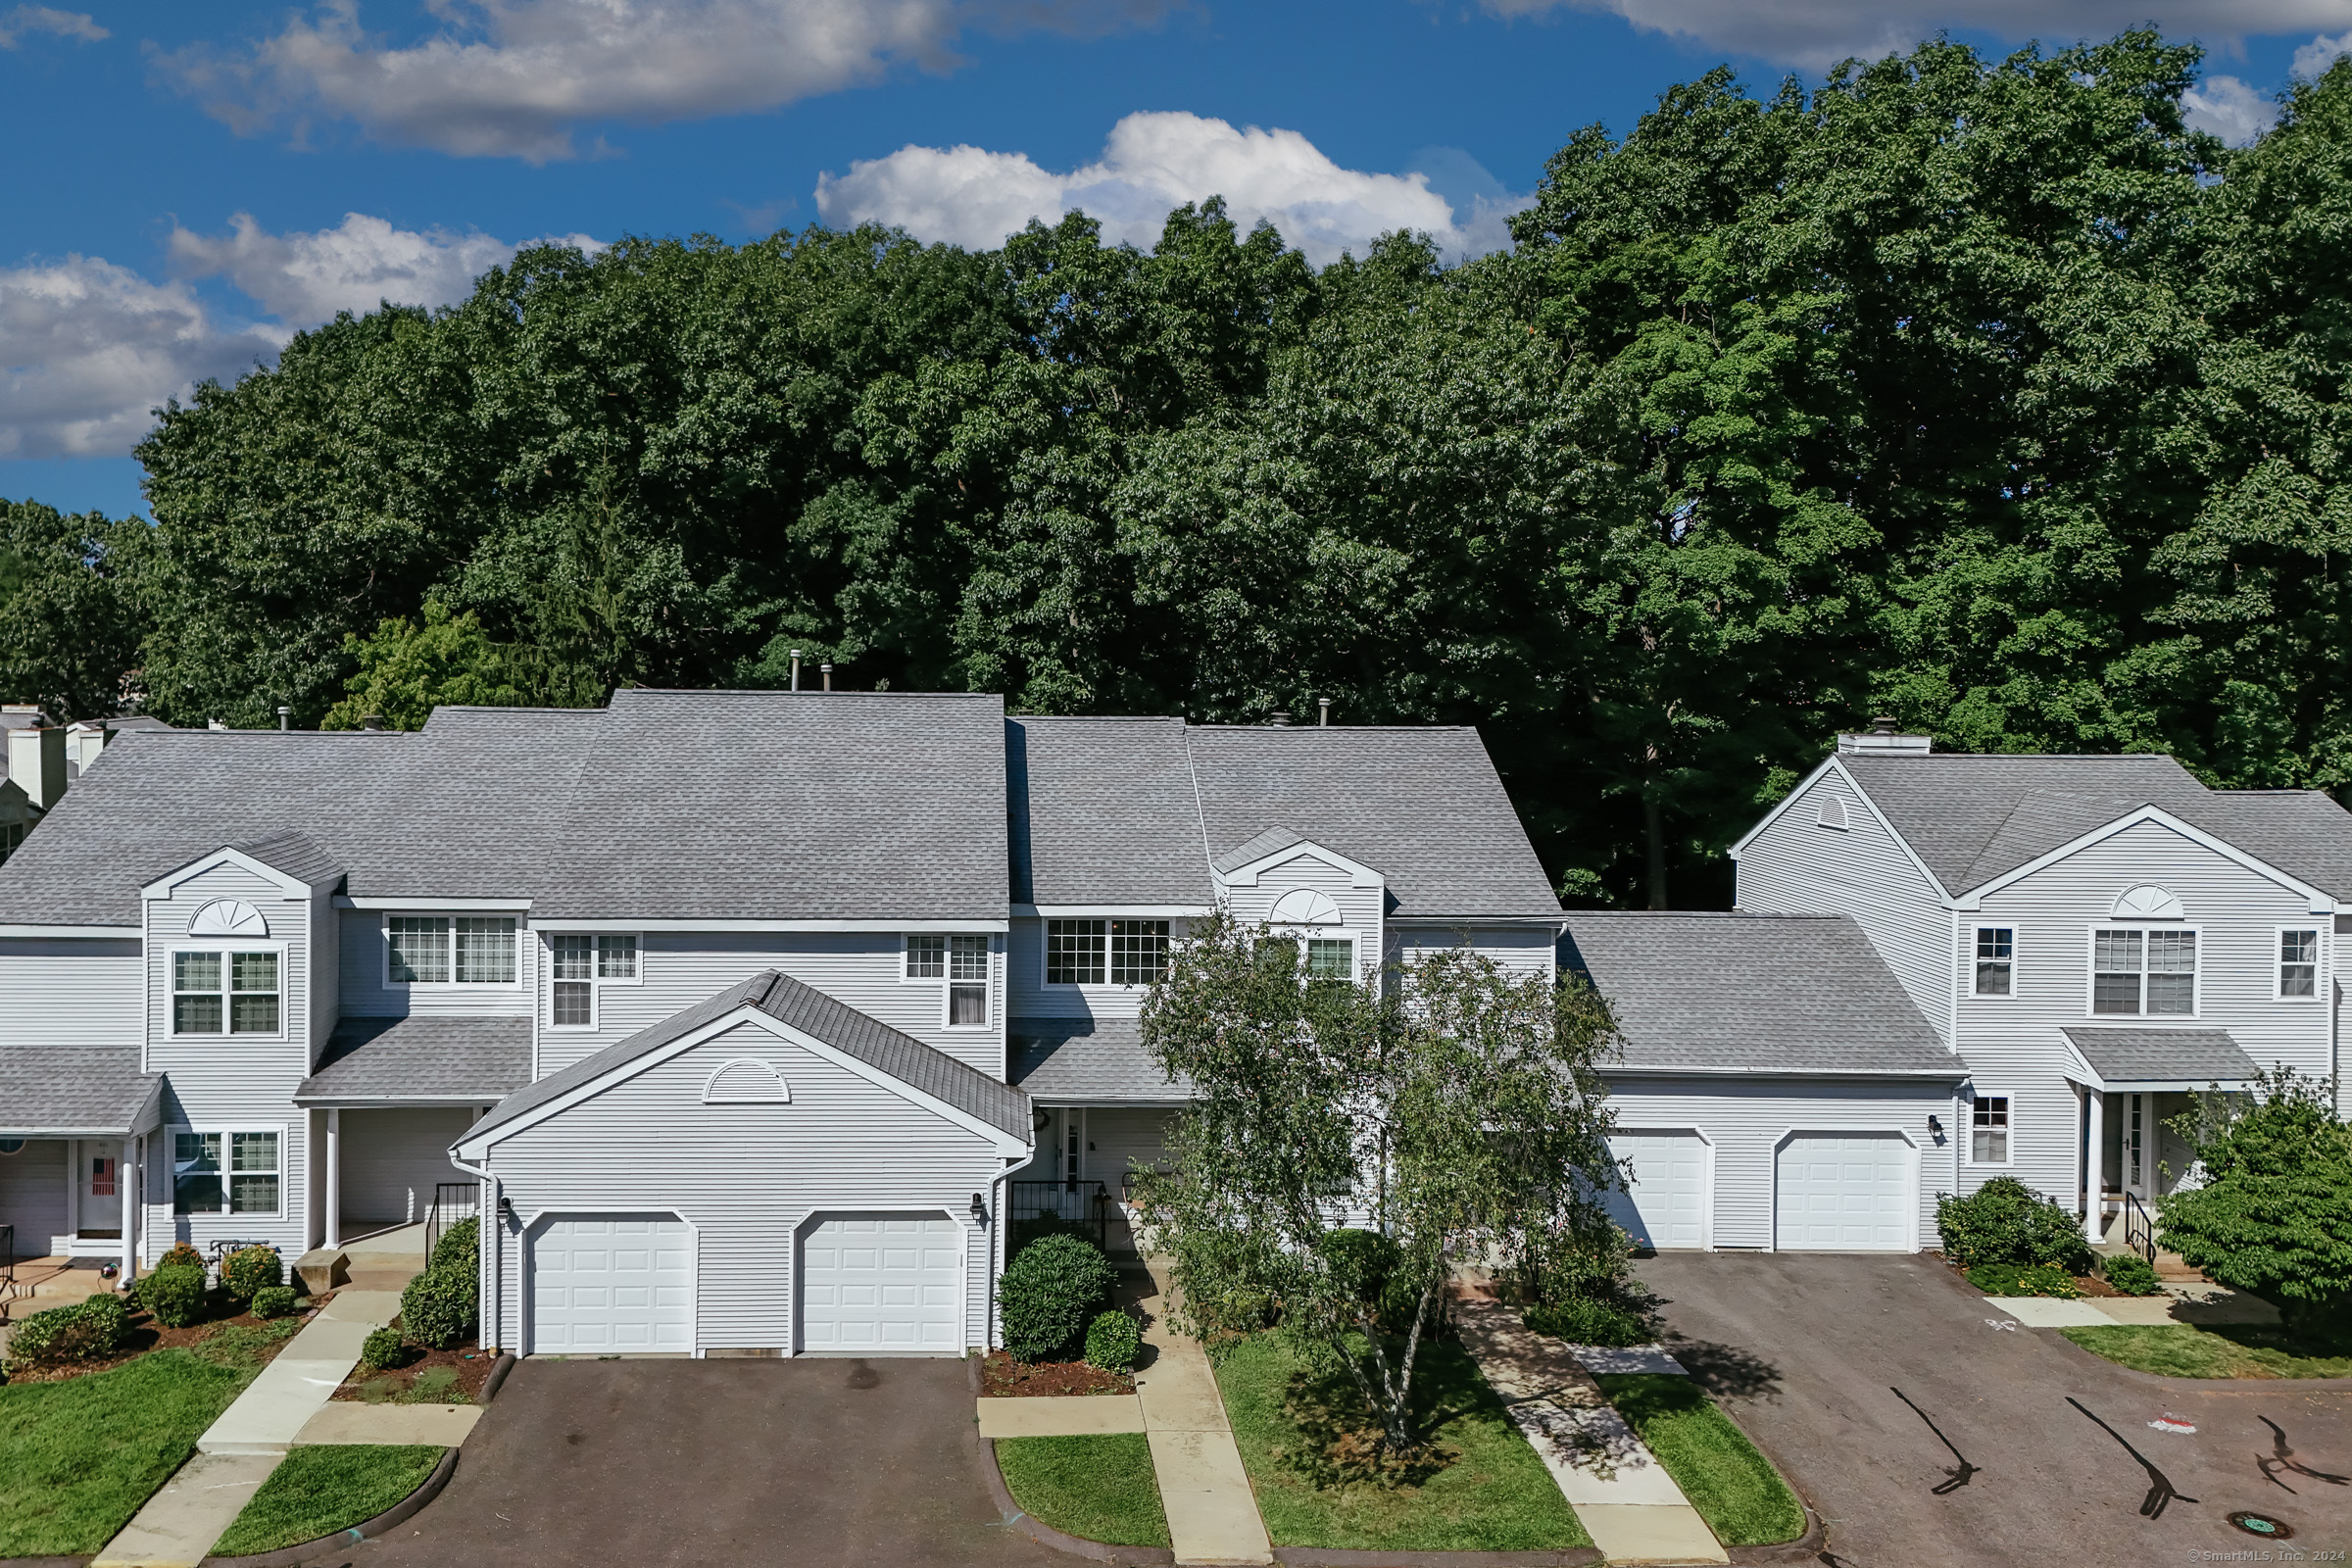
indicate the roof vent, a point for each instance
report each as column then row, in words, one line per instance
column 1883, row 740
column 374, row 721
column 1281, row 718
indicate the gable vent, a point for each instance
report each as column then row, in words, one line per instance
column 745, row 1083
column 1833, row 813
column 2147, row 901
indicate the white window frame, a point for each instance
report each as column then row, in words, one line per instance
column 227, row 1133
column 2318, row 964
column 1045, row 944
column 1303, row 934
column 2145, row 928
column 946, row 979
column 1976, row 936
column 452, row 916
column 224, row 947
column 2008, row 1129
column 596, row 981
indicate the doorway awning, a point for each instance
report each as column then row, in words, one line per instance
column 2159, row 1059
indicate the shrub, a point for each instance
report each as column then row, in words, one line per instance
column 2132, row 1275
column 182, row 1256
column 273, row 1300
column 383, row 1348
column 1112, row 1341
column 459, row 1247
column 1048, row 1293
column 439, row 1306
column 249, row 1269
column 2012, row 1279
column 1588, row 1320
column 2005, row 1221
column 90, row 1330
column 175, row 1295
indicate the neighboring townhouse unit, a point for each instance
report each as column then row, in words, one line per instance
column 742, row 1012
column 2070, row 947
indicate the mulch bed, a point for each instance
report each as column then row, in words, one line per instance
column 1002, row 1377
column 148, row 1335
column 468, row 1360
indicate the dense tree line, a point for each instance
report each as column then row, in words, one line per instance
column 1983, row 393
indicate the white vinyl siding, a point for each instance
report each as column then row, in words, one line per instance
column 32, row 1194
column 365, row 968
column 393, row 1159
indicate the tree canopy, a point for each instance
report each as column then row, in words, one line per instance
column 1985, row 393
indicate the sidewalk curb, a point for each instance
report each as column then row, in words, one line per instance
column 1327, row 1557
column 399, row 1513
column 497, row 1377
column 1045, row 1535
column 1804, row 1548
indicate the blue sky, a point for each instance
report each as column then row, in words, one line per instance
column 179, row 182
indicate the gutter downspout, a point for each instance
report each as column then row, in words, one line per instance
column 492, row 1256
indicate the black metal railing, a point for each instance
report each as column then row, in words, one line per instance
column 2139, row 1231
column 451, row 1202
column 1079, row 1208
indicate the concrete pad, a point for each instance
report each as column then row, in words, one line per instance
column 327, row 1338
column 447, row 1425
column 1594, row 1456
column 274, row 1406
column 1067, row 1417
column 2135, row 1309
column 1652, row 1534
column 2204, row 1304
column 1642, row 1358
column 1212, row 1514
column 375, row 1308
column 1179, row 1394
column 2048, row 1313
column 178, row 1525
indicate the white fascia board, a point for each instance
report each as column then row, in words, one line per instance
column 394, row 1102
column 93, row 933
column 1359, row 875
column 2317, row 902
column 1789, row 800
column 436, row 906
column 551, row 923
column 1107, row 911
column 1446, row 921
column 163, row 886
column 473, row 1149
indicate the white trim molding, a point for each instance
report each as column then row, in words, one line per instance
column 164, row 886
column 891, row 927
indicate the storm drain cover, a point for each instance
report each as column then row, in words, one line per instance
column 2261, row 1524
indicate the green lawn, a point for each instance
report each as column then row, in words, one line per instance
column 2183, row 1350
column 1494, row 1496
column 1099, row 1487
column 323, row 1488
column 79, row 1458
column 1735, row 1489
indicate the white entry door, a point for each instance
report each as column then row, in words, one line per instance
column 1667, row 1205
column 1843, row 1192
column 882, row 1284
column 611, row 1285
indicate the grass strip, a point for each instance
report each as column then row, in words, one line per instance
column 2184, row 1351
column 1495, row 1496
column 325, row 1488
column 1100, row 1487
column 79, row 1458
column 1735, row 1489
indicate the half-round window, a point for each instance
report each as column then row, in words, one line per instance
column 1303, row 907
column 2147, row 901
column 229, row 917
column 745, row 1083
column 1833, row 811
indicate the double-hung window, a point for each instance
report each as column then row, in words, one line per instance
column 2298, row 965
column 2150, row 972
column 580, row 965
column 1989, row 1131
column 1119, row 953
column 226, row 1173
column 1330, row 958
column 961, row 959
column 221, row 991
column 439, row 950
column 1997, row 957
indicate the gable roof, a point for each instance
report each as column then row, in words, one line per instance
column 1090, row 1061
column 924, row 1069
column 1752, row 993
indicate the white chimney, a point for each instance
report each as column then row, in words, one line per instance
column 1883, row 741
column 36, row 764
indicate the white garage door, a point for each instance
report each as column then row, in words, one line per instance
column 882, row 1284
column 1667, row 1205
column 1843, row 1192
column 611, row 1285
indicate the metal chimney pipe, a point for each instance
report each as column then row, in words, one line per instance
column 285, row 716
column 828, row 674
column 796, row 670
column 1323, row 705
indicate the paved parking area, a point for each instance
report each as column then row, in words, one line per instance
column 723, row 1462
column 1809, row 1351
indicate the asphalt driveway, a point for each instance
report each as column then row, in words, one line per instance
column 635, row 1463
column 1809, row 1351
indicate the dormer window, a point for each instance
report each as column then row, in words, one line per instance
column 1094, row 953
column 439, row 950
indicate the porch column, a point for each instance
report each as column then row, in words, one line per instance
column 2094, row 1165
column 72, row 1190
column 126, row 1184
column 334, row 1178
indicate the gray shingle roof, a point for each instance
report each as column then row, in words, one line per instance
column 294, row 855
column 479, row 1060
column 73, row 1089
column 2124, row 1055
column 813, row 1012
column 1102, row 813
column 1972, row 818
column 1258, row 847
column 1752, row 993
column 1089, row 1062
column 1423, row 807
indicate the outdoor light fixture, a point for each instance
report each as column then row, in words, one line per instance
column 1935, row 1126
column 505, row 1209
column 979, row 1210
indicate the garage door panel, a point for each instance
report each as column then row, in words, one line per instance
column 612, row 1283
column 1843, row 1192
column 882, row 1284
column 1666, row 1203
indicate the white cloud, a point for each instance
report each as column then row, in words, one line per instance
column 1152, row 163
column 2229, row 109
column 42, row 19
column 88, row 348
column 307, row 278
column 2314, row 58
column 1821, row 32
column 516, row 77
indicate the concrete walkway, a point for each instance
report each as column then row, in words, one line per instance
column 1628, row 1503
column 1061, row 1416
column 2191, row 1304
column 178, row 1525
column 1212, row 1513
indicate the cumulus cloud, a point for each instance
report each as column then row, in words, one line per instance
column 89, row 349
column 517, row 77
column 2314, row 56
column 1819, row 32
column 15, row 25
column 2229, row 109
column 972, row 197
